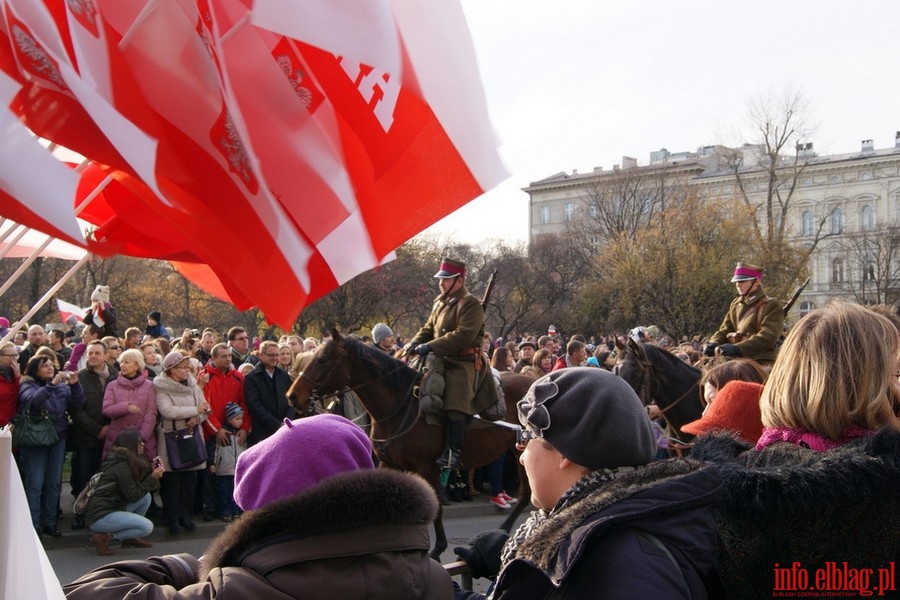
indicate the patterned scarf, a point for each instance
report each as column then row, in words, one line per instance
column 582, row 487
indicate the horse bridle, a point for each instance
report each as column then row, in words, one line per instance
column 646, row 394
column 316, row 398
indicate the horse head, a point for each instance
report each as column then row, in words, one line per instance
column 323, row 376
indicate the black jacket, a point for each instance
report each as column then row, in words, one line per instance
column 266, row 398
column 597, row 547
column 788, row 504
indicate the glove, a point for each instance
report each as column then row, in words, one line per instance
column 709, row 349
column 483, row 553
column 729, row 350
column 422, row 349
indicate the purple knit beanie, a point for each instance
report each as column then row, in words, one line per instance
column 299, row 456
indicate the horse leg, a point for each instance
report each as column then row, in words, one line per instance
column 524, row 498
column 440, row 536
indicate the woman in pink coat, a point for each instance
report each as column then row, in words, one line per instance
column 130, row 403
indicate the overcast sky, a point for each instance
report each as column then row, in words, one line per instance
column 575, row 84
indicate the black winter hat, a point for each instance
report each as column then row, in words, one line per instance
column 156, row 316
column 591, row 416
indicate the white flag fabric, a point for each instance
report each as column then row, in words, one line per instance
column 25, row 570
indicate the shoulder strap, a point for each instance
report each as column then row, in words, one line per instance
column 659, row 544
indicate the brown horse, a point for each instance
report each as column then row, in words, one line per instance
column 661, row 377
column 401, row 437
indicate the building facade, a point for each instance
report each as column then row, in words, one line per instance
column 848, row 204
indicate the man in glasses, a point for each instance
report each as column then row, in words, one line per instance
column 239, row 342
column 113, row 350
column 265, row 393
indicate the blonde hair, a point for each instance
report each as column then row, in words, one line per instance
column 134, row 355
column 835, row 370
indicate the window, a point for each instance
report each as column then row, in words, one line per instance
column 837, row 220
column 545, row 215
column 869, row 270
column 806, row 223
column 867, row 218
column 595, row 243
column 570, row 210
column 805, row 308
column 837, row 270
column 594, row 211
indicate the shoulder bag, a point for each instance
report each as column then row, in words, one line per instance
column 33, row 431
column 185, row 448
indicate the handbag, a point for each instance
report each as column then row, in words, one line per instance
column 185, row 448
column 33, row 431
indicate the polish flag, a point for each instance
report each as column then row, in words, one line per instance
column 67, row 309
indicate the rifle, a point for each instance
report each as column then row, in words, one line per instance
column 488, row 291
column 795, row 295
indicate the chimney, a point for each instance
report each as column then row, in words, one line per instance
column 868, row 145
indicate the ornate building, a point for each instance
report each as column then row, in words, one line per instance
column 848, row 203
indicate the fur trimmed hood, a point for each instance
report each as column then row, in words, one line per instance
column 343, row 503
column 787, row 504
column 672, row 499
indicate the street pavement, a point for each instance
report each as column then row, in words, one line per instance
column 70, row 558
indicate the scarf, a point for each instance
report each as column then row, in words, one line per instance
column 103, row 374
column 582, row 487
column 808, row 439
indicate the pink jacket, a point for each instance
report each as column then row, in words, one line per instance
column 122, row 392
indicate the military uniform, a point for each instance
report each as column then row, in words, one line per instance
column 759, row 321
column 454, row 332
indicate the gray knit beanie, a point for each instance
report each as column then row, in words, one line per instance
column 381, row 331
column 591, row 416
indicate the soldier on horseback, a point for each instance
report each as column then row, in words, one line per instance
column 454, row 332
column 754, row 321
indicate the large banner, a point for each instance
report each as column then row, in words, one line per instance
column 25, row 570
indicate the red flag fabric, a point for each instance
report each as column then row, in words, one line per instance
column 255, row 142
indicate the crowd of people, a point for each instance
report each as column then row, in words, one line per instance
column 795, row 467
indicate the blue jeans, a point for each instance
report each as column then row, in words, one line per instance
column 495, row 474
column 126, row 524
column 225, row 492
column 42, row 468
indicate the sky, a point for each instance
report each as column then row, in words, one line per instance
column 575, row 84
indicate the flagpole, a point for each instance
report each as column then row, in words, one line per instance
column 62, row 281
column 7, row 233
column 24, row 266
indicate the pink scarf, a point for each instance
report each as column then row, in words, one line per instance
column 808, row 439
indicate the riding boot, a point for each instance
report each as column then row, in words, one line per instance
column 456, row 431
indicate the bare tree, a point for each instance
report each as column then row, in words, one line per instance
column 767, row 174
column 874, row 276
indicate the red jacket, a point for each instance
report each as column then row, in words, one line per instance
column 219, row 391
column 9, row 399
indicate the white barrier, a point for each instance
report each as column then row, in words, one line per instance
column 25, row 570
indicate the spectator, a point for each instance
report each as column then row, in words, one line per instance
column 239, row 342
column 181, row 405
column 363, row 533
column 9, row 382
column 130, row 403
column 116, row 510
column 225, row 386
column 45, row 389
column 610, row 523
column 576, row 355
column 155, row 327
column 57, row 341
column 526, row 354
column 101, row 313
column 78, row 359
column 265, row 392
column 89, row 425
column 37, row 337
column 285, row 359
column 736, row 410
column 715, row 378
column 822, row 485
column 224, row 461
column 132, row 338
column 384, row 338
column 542, row 363
column 152, row 364
column 113, row 350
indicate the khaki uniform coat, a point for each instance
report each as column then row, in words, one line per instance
column 759, row 319
column 454, row 328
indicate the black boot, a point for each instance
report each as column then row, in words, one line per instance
column 456, row 431
column 78, row 523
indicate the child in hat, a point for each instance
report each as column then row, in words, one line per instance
column 224, row 463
